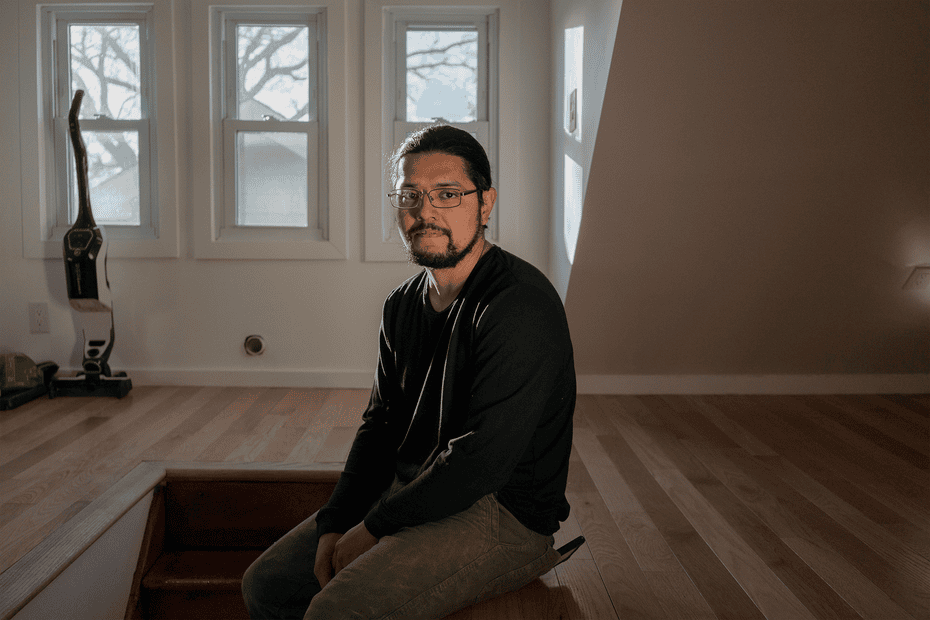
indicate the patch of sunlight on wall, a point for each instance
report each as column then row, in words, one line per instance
column 573, row 204
column 572, row 96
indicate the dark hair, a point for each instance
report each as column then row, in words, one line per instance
column 451, row 141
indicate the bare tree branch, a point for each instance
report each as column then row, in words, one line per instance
column 442, row 50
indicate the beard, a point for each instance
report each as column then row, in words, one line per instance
column 444, row 260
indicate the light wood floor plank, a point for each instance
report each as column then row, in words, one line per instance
column 861, row 594
column 877, row 430
column 715, row 583
column 733, row 431
column 642, row 537
column 178, row 429
column 242, row 425
column 886, row 418
column 210, row 441
column 626, row 585
column 339, row 408
column 914, row 408
column 30, row 435
column 912, row 569
column 678, row 596
column 544, row 599
column 881, row 478
column 762, row 541
column 336, row 446
column 586, row 596
column 255, row 442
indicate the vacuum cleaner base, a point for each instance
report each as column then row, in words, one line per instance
column 116, row 386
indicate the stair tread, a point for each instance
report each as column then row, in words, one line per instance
column 198, row 569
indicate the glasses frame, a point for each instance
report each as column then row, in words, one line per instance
column 419, row 202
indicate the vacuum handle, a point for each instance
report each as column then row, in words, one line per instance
column 85, row 216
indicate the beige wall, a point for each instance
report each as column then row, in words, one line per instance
column 759, row 192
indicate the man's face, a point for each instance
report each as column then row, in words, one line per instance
column 440, row 238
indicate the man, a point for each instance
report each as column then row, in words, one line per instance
column 456, row 478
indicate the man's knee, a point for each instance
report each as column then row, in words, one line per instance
column 253, row 583
column 261, row 587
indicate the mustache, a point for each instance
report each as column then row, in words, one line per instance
column 427, row 226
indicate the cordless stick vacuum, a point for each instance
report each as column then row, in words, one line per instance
column 85, row 254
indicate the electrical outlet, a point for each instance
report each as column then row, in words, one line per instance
column 38, row 318
column 919, row 278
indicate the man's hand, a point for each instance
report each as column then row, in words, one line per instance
column 354, row 543
column 323, row 566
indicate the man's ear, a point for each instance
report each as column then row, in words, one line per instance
column 489, row 197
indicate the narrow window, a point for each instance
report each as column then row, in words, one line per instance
column 271, row 124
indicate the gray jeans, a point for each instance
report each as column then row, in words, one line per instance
column 427, row 571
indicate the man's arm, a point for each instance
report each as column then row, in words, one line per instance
column 370, row 464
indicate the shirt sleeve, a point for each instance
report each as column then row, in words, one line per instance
column 520, row 356
column 370, row 464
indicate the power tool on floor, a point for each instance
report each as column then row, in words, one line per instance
column 22, row 380
column 85, row 255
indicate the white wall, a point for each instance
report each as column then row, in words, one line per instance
column 181, row 320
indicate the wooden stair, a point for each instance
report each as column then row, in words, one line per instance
column 202, row 534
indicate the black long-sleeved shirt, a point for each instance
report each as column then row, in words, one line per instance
column 473, row 400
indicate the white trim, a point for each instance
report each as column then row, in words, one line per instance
column 914, row 383
column 240, row 377
column 755, row 384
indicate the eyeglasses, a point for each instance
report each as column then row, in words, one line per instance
column 441, row 197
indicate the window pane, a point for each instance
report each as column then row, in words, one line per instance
column 112, row 176
column 271, row 178
column 105, row 60
column 574, row 71
column 273, row 72
column 573, row 206
column 442, row 74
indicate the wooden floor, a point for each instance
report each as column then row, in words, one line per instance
column 734, row 507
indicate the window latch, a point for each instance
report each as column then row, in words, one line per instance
column 102, row 116
column 268, row 117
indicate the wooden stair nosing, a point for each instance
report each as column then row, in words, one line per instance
column 200, row 569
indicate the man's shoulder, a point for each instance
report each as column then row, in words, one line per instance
column 510, row 275
column 511, row 291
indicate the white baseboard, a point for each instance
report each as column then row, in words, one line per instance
column 587, row 384
column 754, row 384
column 252, row 378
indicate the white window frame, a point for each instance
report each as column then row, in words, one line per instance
column 62, row 160
column 217, row 234
column 382, row 239
column 46, row 142
column 228, row 226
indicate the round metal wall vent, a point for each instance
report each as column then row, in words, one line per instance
column 254, row 345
